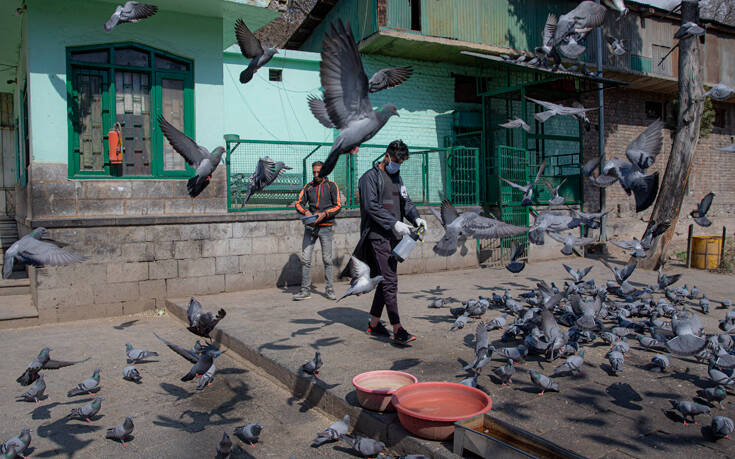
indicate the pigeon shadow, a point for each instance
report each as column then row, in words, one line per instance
column 290, row 275
column 443, row 319
column 231, row 371
column 345, row 450
column 199, row 421
column 311, row 322
column 127, row 439
column 325, row 342
column 624, row 395
column 65, row 435
column 143, row 361
column 352, row 317
column 177, row 391
column 125, row 325
column 404, row 364
column 305, row 331
column 274, row 346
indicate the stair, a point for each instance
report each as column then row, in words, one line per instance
column 17, row 311
column 8, row 236
column 16, row 285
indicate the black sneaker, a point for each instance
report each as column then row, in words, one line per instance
column 302, row 295
column 378, row 330
column 403, row 337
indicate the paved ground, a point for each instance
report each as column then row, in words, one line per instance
column 596, row 415
column 172, row 419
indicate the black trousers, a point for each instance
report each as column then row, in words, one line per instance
column 386, row 293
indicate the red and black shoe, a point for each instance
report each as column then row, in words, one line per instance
column 378, row 330
column 403, row 337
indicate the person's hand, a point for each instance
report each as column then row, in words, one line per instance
column 421, row 222
column 319, row 217
column 307, row 213
column 401, row 229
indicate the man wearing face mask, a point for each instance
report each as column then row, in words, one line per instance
column 384, row 203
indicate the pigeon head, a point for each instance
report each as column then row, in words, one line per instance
column 389, row 110
column 218, row 152
column 128, row 346
column 39, row 232
column 256, row 428
column 128, row 423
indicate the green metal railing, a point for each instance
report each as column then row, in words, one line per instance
column 430, row 174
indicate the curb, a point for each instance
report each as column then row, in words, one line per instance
column 384, row 427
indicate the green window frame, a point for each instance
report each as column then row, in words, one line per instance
column 160, row 67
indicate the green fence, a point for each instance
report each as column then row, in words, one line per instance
column 430, row 174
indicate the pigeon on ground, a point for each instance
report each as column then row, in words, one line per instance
column 700, row 213
column 252, row 49
column 587, row 311
column 616, row 360
column 195, row 155
column 19, row 443
column 202, row 323
column 130, row 373
column 360, row 282
column 572, row 365
column 633, row 180
column 88, row 386
column 686, row 341
column 130, row 12
column 470, row 381
column 505, row 372
column 10, row 453
column 727, row 149
column 543, row 382
column 722, row 427
column 207, row 378
column 527, row 189
column 333, row 432
column 224, row 447
column 689, row 409
column 577, row 275
column 694, row 293
column 458, row 311
column 516, row 123
column 516, row 354
column 570, row 241
column 481, row 345
column 719, row 92
column 87, row 411
column 43, row 361
column 714, row 394
column 616, row 46
column 346, row 95
column 312, row 366
column 719, row 377
column 36, row 391
column 122, row 431
column 37, row 250
column 437, row 304
column 460, row 322
column 556, row 198
column 649, row 343
column 660, row 362
column 553, row 109
column 137, row 355
column 249, row 433
column 516, row 266
column 366, row 447
column 266, row 172
column 688, row 30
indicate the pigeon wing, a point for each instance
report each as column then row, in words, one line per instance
column 487, row 228
column 438, row 215
column 648, row 143
column 56, row 364
column 319, row 110
column 389, row 78
column 448, row 213
column 42, row 253
column 267, row 171
column 183, row 144
column 250, row 46
column 135, row 11
column 185, row 353
column 625, row 245
column 705, row 204
column 557, row 237
column 193, row 312
column 540, row 171
column 514, row 185
column 547, row 105
column 549, row 30
column 358, row 268
column 628, row 270
column 517, row 252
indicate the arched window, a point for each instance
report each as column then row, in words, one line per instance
column 130, row 84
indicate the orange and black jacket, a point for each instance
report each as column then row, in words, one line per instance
column 323, row 197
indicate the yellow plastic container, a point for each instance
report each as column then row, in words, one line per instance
column 706, row 252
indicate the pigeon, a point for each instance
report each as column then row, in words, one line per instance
column 130, row 12
column 130, row 373
column 366, row 447
column 481, row 345
column 470, row 381
column 87, row 411
column 616, row 359
column 458, row 311
column 616, row 46
column 577, row 275
column 527, row 189
column 543, row 382
column 361, row 281
column 574, row 26
column 224, row 447
column 137, row 355
column 688, row 30
column 685, row 341
column 722, row 427
column 689, row 409
column 43, row 361
column 718, row 377
column 660, row 361
column 389, row 78
column 202, row 365
column 122, row 431
column 88, row 386
column 601, row 180
column 195, row 155
column 516, row 266
column 649, row 343
column 505, row 372
column 719, row 92
column 553, row 109
column 346, row 95
column 714, row 394
column 207, row 378
column 644, row 149
column 694, row 293
column 497, row 323
column 37, row 250
column 727, row 149
column 700, row 213
column 460, row 322
column 312, row 366
column 665, row 281
column 468, row 225
column 653, row 231
column 570, row 241
column 587, row 312
column 643, row 187
column 252, row 49
column 516, row 123
column 266, row 172
column 249, row 433
column 516, row 354
column 618, row 5
column 556, row 198
column 548, row 41
column 19, row 443
column 638, row 251
column 202, row 323
column 437, row 304
column 572, row 365
column 333, row 432
column 550, row 221
column 192, row 355
column 621, row 274
column 36, row 391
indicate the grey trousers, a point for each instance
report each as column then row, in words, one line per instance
column 325, row 236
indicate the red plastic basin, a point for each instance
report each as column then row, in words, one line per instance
column 430, row 409
column 375, row 388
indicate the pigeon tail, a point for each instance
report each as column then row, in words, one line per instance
column 685, row 344
column 645, row 192
column 536, row 236
column 26, row 378
column 196, row 185
column 330, row 162
column 111, row 23
column 544, row 116
column 515, row 267
column 703, row 221
column 247, row 75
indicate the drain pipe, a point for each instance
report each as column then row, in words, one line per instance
column 601, row 130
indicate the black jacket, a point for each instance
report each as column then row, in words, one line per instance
column 323, row 197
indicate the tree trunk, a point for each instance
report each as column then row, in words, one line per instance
column 674, row 184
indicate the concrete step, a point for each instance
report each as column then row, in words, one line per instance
column 16, row 285
column 17, row 311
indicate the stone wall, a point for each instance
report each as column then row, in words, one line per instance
column 133, row 267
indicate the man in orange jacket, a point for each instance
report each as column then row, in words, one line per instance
column 319, row 197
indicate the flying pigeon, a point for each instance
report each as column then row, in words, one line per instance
column 366, row 447
column 202, row 323
column 207, row 378
column 720, row 92
column 192, row 355
column 516, row 266
column 643, row 187
column 621, row 274
column 577, row 275
column 346, row 95
column 87, row 411
column 252, row 49
column 553, row 109
column 137, row 355
column 728, row 149
column 556, row 198
column 570, row 241
column 130, row 373
column 616, row 46
column 36, row 391
column 516, row 123
column 574, row 26
column 202, row 366
column 194, row 155
column 642, row 151
column 19, row 443
column 601, row 180
column 130, row 12
column 638, row 251
column 548, row 41
column 42, row 361
column 505, row 372
column 714, row 394
column 88, row 386
column 266, row 172
column 722, row 427
column 572, row 365
column 312, row 366
column 34, row 249
column 122, row 431
column 689, row 29
column 700, row 213
column 527, row 189
column 333, row 432
column 249, row 433
column 543, row 382
column 588, row 219
column 361, row 281
column 224, row 447
column 460, row 227
column 481, row 345
column 664, row 281
column 689, row 409
column 618, row 5
column 550, row 221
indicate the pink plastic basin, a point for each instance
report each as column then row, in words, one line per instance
column 430, row 409
column 375, row 388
